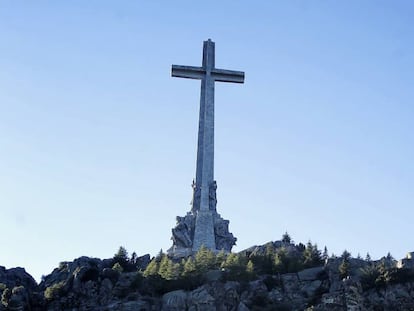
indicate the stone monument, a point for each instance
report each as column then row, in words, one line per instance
column 203, row 225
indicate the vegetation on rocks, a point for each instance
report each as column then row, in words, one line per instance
column 279, row 275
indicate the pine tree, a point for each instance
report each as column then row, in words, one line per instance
column 250, row 272
column 235, row 267
column 159, row 255
column 121, row 256
column 325, row 254
column 220, row 258
column 134, row 258
column 311, row 255
column 286, row 238
column 152, row 268
column 189, row 267
column 346, row 255
column 168, row 270
column 205, row 259
column 231, row 261
column 344, row 267
column 250, row 267
column 280, row 261
column 173, row 271
column 270, row 249
column 163, row 268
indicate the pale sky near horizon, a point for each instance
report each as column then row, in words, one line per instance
column 98, row 142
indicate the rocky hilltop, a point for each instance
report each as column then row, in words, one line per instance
column 276, row 276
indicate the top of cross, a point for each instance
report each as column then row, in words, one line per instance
column 208, row 68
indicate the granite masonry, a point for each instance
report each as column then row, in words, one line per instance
column 203, row 225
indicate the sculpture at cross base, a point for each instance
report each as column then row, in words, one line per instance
column 203, row 225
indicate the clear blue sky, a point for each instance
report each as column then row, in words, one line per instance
column 98, row 142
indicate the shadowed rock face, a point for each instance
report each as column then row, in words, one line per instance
column 92, row 284
column 17, row 288
column 17, row 277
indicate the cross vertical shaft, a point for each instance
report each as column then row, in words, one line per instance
column 205, row 148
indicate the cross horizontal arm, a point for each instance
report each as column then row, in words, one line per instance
column 189, row 72
column 224, row 75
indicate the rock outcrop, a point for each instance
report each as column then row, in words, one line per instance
column 19, row 291
column 100, row 285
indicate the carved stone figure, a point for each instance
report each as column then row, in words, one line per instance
column 213, row 196
column 183, row 231
column 196, row 198
column 224, row 239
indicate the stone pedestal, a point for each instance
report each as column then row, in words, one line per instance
column 195, row 229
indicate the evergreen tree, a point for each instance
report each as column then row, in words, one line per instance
column 164, row 265
column 286, row 238
column 369, row 276
column 134, row 258
column 325, row 255
column 344, row 267
column 232, row 261
column 266, row 262
column 235, row 267
column 121, row 257
column 250, row 271
column 346, row 255
column 250, row 267
column 301, row 247
column 205, row 259
column 270, row 250
column 189, row 267
column 159, row 255
column 152, row 268
column 383, row 274
column 220, row 258
column 280, row 261
column 168, row 270
column 311, row 256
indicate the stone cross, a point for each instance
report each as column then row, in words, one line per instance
column 208, row 74
column 205, row 187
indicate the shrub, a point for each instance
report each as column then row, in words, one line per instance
column 137, row 281
column 117, row 267
column 5, row 297
column 54, row 291
column 369, row 276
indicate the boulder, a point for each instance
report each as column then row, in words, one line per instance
column 174, row 301
column 310, row 274
column 200, row 299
